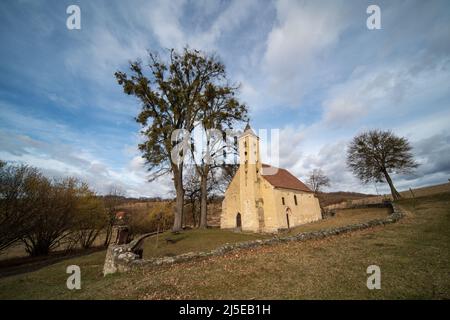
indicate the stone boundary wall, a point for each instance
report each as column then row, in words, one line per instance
column 121, row 258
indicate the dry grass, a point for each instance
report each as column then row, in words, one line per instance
column 344, row 217
column 407, row 194
column 414, row 256
column 328, row 198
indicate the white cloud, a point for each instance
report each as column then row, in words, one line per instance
column 164, row 18
column 387, row 91
column 60, row 160
column 302, row 35
column 315, row 55
column 229, row 20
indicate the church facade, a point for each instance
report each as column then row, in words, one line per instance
column 262, row 198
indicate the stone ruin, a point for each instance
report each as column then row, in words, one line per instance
column 122, row 252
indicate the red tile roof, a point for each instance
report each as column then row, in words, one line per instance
column 120, row 215
column 284, row 179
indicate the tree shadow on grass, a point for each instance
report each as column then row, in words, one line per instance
column 14, row 266
column 173, row 240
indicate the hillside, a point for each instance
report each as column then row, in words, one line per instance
column 327, row 198
column 406, row 194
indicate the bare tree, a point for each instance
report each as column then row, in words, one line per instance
column 91, row 217
column 18, row 201
column 373, row 155
column 192, row 195
column 317, row 179
column 170, row 105
column 218, row 112
column 223, row 176
column 54, row 215
column 46, row 213
column 111, row 202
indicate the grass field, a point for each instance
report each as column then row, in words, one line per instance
column 413, row 254
column 193, row 240
column 205, row 240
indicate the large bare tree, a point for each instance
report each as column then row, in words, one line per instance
column 170, row 95
column 219, row 111
column 375, row 154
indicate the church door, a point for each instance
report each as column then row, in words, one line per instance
column 288, row 211
column 238, row 221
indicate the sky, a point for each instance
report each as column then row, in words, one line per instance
column 311, row 69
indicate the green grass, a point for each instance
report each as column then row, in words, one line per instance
column 413, row 254
column 205, row 240
column 193, row 240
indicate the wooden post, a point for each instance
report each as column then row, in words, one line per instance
column 414, row 198
column 158, row 218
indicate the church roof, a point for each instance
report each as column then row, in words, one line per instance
column 248, row 129
column 284, row 179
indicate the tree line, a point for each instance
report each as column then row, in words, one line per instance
column 44, row 213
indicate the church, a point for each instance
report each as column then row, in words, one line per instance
column 262, row 198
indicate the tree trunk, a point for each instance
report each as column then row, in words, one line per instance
column 394, row 192
column 194, row 220
column 179, row 203
column 108, row 236
column 203, row 200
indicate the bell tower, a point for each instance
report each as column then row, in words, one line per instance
column 249, row 158
column 250, row 179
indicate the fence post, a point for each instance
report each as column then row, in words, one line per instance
column 414, row 198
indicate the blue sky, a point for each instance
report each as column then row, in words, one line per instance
column 311, row 69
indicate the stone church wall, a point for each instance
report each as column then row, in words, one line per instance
column 306, row 210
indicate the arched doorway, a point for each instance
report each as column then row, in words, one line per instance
column 288, row 212
column 238, row 221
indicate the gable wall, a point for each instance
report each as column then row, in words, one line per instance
column 231, row 204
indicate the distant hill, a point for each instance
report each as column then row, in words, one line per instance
column 416, row 193
column 327, row 198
